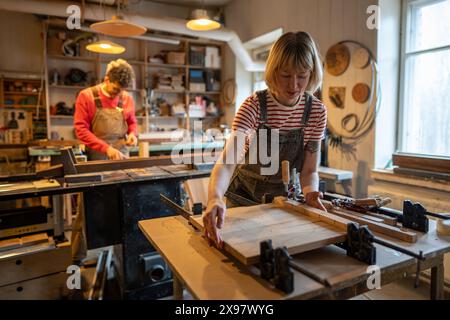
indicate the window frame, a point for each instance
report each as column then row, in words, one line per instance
column 256, row 52
column 406, row 17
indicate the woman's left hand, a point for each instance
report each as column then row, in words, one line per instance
column 313, row 200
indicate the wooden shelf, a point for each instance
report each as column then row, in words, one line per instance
column 77, row 58
column 13, row 145
column 61, row 86
column 204, row 93
column 25, row 93
column 166, row 65
column 56, row 116
column 168, row 91
column 81, row 87
column 137, row 62
column 182, row 117
column 202, row 68
column 20, row 106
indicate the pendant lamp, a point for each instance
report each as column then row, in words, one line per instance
column 201, row 21
column 118, row 27
column 105, row 46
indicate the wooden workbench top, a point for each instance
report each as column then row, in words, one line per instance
column 210, row 274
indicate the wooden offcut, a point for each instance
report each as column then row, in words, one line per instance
column 246, row 227
column 421, row 162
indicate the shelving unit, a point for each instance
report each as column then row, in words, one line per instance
column 138, row 54
column 22, row 109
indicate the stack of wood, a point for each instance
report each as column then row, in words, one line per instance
column 164, row 81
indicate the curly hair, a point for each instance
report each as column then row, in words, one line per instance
column 119, row 71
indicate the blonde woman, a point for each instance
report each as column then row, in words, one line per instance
column 288, row 110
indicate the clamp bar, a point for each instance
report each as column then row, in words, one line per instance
column 419, row 256
column 179, row 210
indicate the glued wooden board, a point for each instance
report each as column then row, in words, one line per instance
column 246, row 227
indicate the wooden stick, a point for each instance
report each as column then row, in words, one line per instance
column 324, row 216
column 374, row 226
column 341, row 219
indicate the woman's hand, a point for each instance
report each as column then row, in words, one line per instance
column 313, row 200
column 213, row 219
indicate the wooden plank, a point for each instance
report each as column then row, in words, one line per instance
column 246, row 227
column 134, row 163
column 344, row 218
column 366, row 215
column 422, row 173
column 388, row 230
column 297, row 241
column 323, row 216
column 46, row 184
column 420, row 162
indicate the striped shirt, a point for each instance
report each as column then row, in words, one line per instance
column 282, row 117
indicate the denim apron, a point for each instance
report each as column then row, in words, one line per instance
column 247, row 181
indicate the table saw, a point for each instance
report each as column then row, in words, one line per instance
column 116, row 194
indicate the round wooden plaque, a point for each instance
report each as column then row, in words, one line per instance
column 360, row 58
column 361, row 92
column 337, row 59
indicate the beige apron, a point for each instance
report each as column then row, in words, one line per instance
column 109, row 124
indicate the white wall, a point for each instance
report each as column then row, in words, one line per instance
column 389, row 61
column 328, row 21
column 21, row 42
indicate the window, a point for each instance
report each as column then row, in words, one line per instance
column 424, row 121
column 260, row 54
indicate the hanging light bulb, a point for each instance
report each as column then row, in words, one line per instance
column 201, row 21
column 105, row 46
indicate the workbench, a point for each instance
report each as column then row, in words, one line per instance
column 208, row 273
column 113, row 208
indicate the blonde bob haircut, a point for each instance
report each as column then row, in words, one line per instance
column 295, row 51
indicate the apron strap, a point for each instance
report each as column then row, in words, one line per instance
column 120, row 103
column 97, row 101
column 262, row 97
column 307, row 110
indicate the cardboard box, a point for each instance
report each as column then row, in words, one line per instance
column 174, row 57
column 197, row 87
